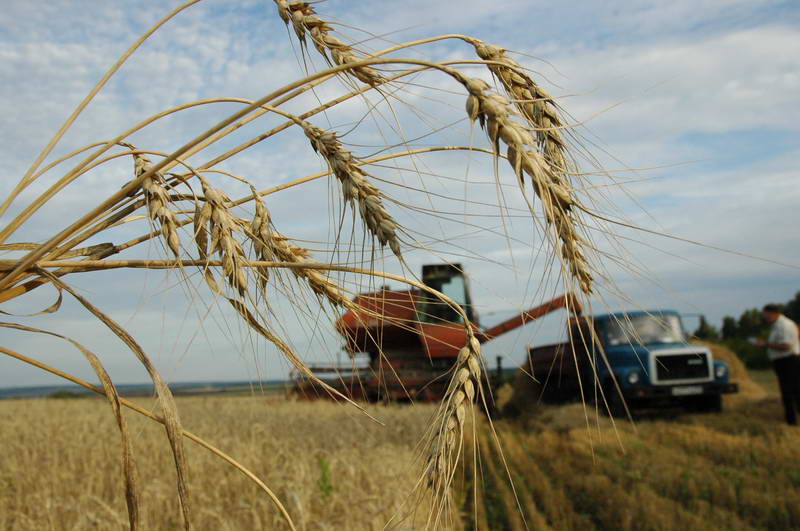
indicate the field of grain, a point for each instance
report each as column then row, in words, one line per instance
column 331, row 466
column 336, row 469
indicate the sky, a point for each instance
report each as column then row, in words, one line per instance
column 692, row 107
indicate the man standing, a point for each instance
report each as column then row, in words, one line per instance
column 783, row 348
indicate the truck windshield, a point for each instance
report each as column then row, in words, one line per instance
column 644, row 329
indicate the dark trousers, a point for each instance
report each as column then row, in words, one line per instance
column 788, row 371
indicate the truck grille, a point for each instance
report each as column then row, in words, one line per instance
column 682, row 367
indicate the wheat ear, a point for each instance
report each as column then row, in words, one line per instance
column 214, row 217
column 270, row 245
column 355, row 186
column 446, row 440
column 534, row 103
column 304, row 19
column 261, row 234
column 157, row 200
column 494, row 113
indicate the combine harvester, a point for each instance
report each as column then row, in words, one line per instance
column 411, row 339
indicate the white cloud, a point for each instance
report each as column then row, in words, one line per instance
column 734, row 81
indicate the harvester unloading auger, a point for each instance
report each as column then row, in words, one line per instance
column 411, row 338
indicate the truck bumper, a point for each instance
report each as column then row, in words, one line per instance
column 681, row 391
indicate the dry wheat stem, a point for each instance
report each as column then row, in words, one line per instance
column 40, row 200
column 91, row 162
column 166, row 400
column 46, row 247
column 172, row 264
column 156, row 199
column 63, row 253
column 86, row 164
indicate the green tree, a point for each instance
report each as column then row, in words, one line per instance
column 792, row 308
column 706, row 331
column 751, row 323
column 730, row 329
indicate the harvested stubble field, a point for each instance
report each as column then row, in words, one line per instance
column 335, row 469
column 737, row 470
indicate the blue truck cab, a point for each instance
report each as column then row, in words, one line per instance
column 642, row 359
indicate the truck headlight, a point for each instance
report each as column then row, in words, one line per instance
column 720, row 371
column 633, row 377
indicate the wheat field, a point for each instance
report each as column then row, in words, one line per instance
column 336, row 469
column 332, row 467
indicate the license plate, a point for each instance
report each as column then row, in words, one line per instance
column 687, row 390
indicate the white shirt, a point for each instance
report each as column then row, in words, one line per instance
column 784, row 331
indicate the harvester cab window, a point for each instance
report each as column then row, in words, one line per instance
column 449, row 279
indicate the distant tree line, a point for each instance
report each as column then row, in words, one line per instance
column 735, row 333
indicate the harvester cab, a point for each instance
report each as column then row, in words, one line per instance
column 450, row 280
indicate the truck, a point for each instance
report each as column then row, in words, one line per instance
column 627, row 361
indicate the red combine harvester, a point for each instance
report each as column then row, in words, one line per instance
column 411, row 339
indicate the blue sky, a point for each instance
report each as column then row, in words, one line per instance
column 700, row 98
